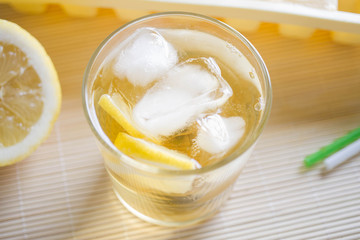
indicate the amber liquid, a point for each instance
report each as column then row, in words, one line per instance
column 170, row 203
column 243, row 103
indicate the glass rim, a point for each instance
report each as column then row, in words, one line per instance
column 152, row 168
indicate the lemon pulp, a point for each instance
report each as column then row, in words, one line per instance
column 21, row 102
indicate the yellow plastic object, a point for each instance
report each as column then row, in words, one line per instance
column 31, row 8
column 346, row 37
column 79, row 10
column 130, row 14
column 296, row 18
column 243, row 24
column 295, row 31
column 348, row 5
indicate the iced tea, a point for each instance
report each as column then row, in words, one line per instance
column 177, row 85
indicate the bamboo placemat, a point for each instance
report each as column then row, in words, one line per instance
column 62, row 190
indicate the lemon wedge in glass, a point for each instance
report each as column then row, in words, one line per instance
column 30, row 95
column 142, row 149
column 115, row 106
column 135, row 144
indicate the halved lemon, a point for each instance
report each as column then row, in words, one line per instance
column 30, row 95
column 142, row 149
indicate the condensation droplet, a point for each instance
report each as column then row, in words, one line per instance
column 252, row 75
column 198, row 182
column 233, row 49
column 259, row 106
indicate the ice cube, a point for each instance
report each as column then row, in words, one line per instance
column 187, row 90
column 218, row 134
column 146, row 57
column 200, row 77
column 163, row 112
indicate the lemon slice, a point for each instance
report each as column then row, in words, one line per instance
column 30, row 94
column 142, row 149
column 116, row 107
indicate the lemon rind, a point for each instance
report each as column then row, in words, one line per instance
column 140, row 148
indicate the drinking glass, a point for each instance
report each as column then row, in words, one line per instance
column 179, row 197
